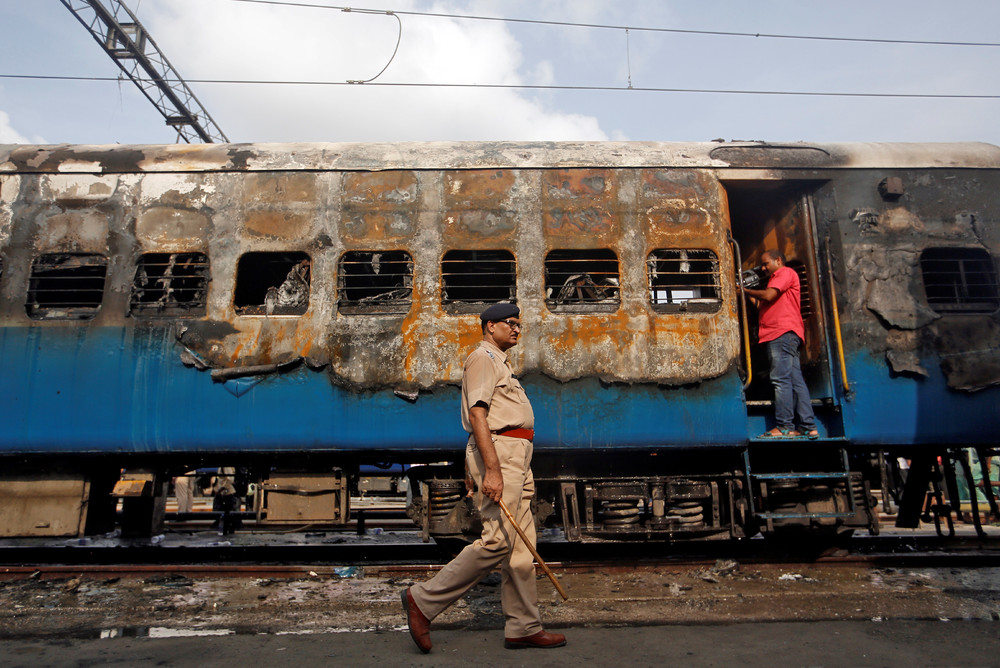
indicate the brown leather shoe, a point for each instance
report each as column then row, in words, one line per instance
column 419, row 626
column 542, row 639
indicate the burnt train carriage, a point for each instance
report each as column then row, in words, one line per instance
column 304, row 309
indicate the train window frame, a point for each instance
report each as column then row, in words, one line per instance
column 683, row 296
column 582, row 280
column 170, row 284
column 466, row 291
column 948, row 269
column 83, row 269
column 283, row 273
column 375, row 282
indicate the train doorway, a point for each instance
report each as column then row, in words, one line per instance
column 779, row 215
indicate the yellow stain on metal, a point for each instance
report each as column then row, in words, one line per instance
column 379, row 205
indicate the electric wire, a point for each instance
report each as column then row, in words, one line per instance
column 646, row 89
column 571, row 24
column 399, row 38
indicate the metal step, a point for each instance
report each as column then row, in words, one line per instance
column 844, row 475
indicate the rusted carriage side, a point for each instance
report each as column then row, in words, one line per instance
column 311, row 305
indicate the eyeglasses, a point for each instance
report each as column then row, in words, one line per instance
column 511, row 324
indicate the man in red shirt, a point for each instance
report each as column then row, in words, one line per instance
column 781, row 328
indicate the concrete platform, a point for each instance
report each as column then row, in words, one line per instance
column 848, row 644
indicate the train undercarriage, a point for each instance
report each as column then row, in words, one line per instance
column 667, row 508
column 783, row 490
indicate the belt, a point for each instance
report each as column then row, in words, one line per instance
column 526, row 434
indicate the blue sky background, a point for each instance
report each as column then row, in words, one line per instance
column 225, row 39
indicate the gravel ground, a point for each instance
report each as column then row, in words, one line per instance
column 351, row 599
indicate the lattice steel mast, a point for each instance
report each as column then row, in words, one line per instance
column 121, row 35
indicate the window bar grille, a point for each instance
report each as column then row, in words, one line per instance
column 170, row 284
column 66, row 286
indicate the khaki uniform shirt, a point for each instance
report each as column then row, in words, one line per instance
column 488, row 379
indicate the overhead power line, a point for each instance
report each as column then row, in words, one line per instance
column 641, row 89
column 125, row 40
column 634, row 28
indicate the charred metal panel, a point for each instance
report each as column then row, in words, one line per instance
column 633, row 212
column 969, row 348
column 426, row 214
column 676, row 200
column 172, row 228
column 67, row 216
column 784, row 156
column 425, row 200
column 480, row 203
column 9, row 185
column 282, row 205
column 486, row 155
column 381, row 205
column 879, row 244
column 579, row 205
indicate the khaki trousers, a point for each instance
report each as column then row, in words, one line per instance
column 519, row 594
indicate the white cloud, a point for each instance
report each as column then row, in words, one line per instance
column 8, row 135
column 238, row 41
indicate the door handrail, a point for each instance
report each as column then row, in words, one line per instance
column 743, row 314
column 836, row 321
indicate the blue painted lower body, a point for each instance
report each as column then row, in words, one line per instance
column 89, row 390
column 115, row 390
column 902, row 410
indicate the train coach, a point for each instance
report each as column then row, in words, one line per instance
column 303, row 310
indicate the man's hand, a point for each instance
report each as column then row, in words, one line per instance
column 493, row 485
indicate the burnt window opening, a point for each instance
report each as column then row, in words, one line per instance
column 582, row 281
column 685, row 280
column 170, row 284
column 272, row 284
column 66, row 286
column 805, row 296
column 471, row 278
column 375, row 282
column 960, row 280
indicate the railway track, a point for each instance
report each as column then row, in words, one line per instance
column 382, row 550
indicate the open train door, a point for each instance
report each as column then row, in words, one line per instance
column 778, row 214
column 793, row 487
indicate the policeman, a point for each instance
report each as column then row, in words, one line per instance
column 500, row 422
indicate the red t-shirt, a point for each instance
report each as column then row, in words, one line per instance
column 784, row 313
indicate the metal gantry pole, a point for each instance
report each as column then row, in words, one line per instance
column 124, row 39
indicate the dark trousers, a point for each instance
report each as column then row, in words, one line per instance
column 791, row 396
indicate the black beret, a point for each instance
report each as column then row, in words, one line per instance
column 500, row 312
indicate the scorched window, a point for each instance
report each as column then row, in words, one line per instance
column 582, row 281
column 66, row 286
column 471, row 278
column 170, row 284
column 960, row 280
column 272, row 284
column 683, row 280
column 376, row 282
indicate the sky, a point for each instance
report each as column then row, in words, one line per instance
column 211, row 40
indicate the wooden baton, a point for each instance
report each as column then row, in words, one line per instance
column 534, row 552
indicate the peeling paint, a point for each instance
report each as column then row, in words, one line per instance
column 322, row 200
column 882, row 248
